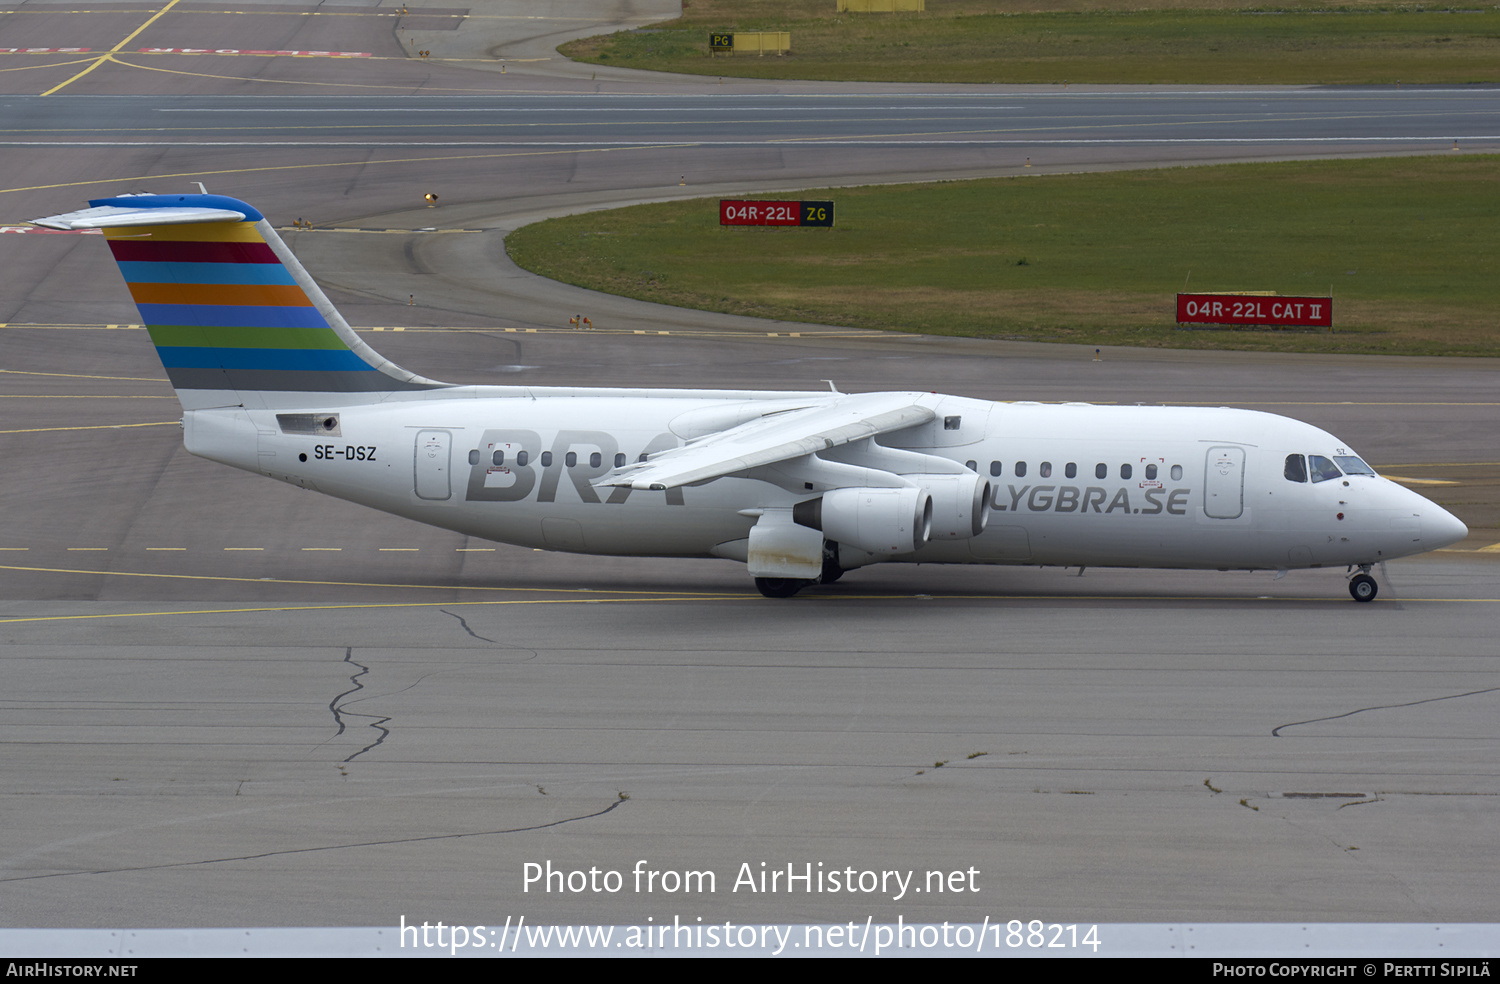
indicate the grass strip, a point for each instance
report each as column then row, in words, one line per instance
column 1408, row 247
column 1076, row 41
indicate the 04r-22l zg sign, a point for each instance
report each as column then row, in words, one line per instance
column 736, row 212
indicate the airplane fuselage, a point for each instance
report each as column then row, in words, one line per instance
column 1073, row 484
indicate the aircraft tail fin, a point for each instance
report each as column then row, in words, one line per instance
column 235, row 318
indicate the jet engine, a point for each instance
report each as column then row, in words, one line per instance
column 960, row 504
column 878, row 521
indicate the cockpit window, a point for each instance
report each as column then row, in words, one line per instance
column 1352, row 465
column 1296, row 468
column 1322, row 468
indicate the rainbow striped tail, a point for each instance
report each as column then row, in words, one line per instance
column 235, row 318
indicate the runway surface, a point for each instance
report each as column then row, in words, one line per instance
column 228, row 702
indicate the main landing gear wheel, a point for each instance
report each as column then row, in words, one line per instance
column 1363, row 587
column 780, row 587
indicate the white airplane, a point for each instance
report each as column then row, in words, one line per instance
column 799, row 486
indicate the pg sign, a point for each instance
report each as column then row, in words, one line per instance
column 1254, row 309
column 735, row 212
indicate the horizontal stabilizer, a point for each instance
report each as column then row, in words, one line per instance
column 118, row 217
column 124, row 211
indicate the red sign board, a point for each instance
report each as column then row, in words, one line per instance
column 734, row 212
column 1254, row 309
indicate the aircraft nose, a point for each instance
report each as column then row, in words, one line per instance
column 1440, row 527
column 1427, row 525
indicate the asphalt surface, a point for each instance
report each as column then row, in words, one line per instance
column 227, row 702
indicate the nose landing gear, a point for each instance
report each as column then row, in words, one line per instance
column 1362, row 586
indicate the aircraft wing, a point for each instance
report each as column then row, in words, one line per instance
column 775, row 437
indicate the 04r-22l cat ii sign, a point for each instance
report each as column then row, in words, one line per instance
column 801, row 487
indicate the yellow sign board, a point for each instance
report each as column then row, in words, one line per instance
column 762, row 42
column 879, row 6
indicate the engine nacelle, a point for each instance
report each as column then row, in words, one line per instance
column 960, row 504
column 879, row 521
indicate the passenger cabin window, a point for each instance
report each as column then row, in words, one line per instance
column 1046, row 470
column 620, row 460
column 546, row 459
column 1322, row 469
column 1125, row 471
column 571, row 459
column 1176, row 473
column 1101, row 471
column 1150, row 473
column 973, row 466
column 1020, row 469
column 474, row 457
column 595, row 460
column 1296, row 468
column 521, row 457
column 996, row 469
column 1071, row 470
column 498, row 457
